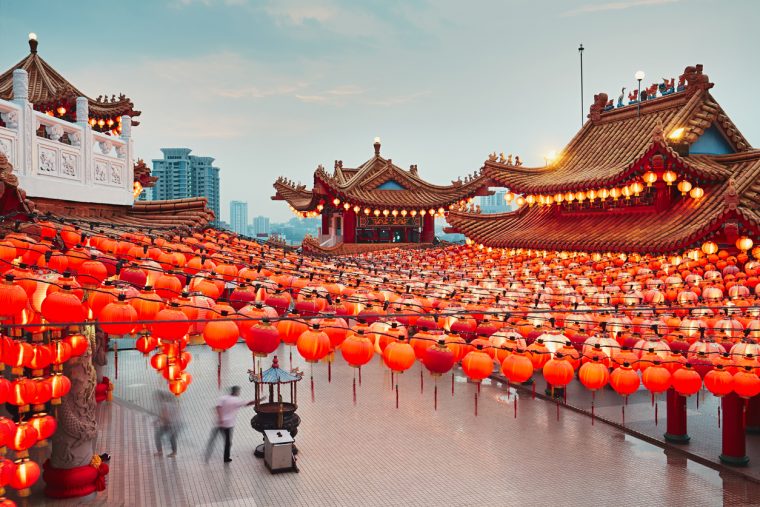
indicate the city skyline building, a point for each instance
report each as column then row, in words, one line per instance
column 260, row 226
column 182, row 175
column 239, row 217
column 495, row 203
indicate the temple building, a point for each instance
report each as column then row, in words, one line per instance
column 377, row 203
column 64, row 153
column 666, row 173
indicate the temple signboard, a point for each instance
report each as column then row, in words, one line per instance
column 390, row 221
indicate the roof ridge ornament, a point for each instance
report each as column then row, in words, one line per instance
column 33, row 42
column 658, row 134
column 731, row 197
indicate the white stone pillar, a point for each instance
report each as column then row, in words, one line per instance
column 83, row 110
column 83, row 120
column 26, row 125
column 126, row 135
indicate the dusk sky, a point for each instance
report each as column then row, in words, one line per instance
column 274, row 88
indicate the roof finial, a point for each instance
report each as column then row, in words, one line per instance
column 33, row 42
column 377, row 146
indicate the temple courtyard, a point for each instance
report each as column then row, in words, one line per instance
column 374, row 454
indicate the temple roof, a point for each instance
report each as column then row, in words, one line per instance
column 48, row 89
column 142, row 174
column 378, row 182
column 613, row 139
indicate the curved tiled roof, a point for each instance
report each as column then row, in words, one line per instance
column 48, row 89
column 609, row 143
column 680, row 226
column 363, row 186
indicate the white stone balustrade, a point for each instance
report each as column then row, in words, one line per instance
column 72, row 162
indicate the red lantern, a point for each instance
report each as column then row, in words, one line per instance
column 62, row 306
column 13, row 298
column 168, row 286
column 220, row 334
column 159, row 361
column 7, row 471
column 457, row 345
column 92, row 273
column 45, row 426
column 746, row 383
column 24, row 437
column 686, row 381
column 116, row 318
column 438, row 359
column 61, row 351
column 624, row 380
column 171, row 323
column 594, row 375
column 22, row 393
column 60, row 386
column 16, row 354
column 5, row 389
column 146, row 343
column 719, row 381
column 558, row 372
column 656, row 378
column 262, row 339
column 335, row 328
column 27, row 473
column 399, row 356
column 517, row 367
column 538, row 353
column 78, row 342
column 477, row 365
column 291, row 328
column 42, row 394
column 7, row 431
column 313, row 344
column 40, row 358
column 357, row 350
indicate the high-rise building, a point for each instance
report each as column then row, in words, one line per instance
column 260, row 226
column 181, row 175
column 495, row 203
column 239, row 217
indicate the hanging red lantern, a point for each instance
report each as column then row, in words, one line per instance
column 24, row 437
column 63, row 306
column 686, row 381
column 262, row 339
column 313, row 344
column 7, row 432
column 147, row 305
column 78, row 342
column 100, row 298
column 40, row 358
column 335, row 328
column 719, row 381
column 146, row 343
column 538, row 353
column 357, row 350
column 171, row 323
column 60, row 386
column 290, row 328
column 594, row 375
column 42, row 394
column 168, row 286
column 22, row 393
column 92, row 273
column 439, row 358
column 117, row 318
column 558, row 372
column 45, row 426
column 159, row 361
column 5, row 390
column 221, row 334
column 422, row 341
column 13, row 298
column 517, row 367
column 16, row 354
column 27, row 473
column 746, row 383
column 457, row 345
column 399, row 356
column 477, row 365
column 656, row 378
column 61, row 351
column 7, row 471
column 624, row 380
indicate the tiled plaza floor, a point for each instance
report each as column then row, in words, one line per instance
column 374, row 454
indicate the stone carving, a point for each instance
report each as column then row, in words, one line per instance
column 115, row 175
column 10, row 119
column 6, row 171
column 5, row 147
column 100, row 171
column 20, row 84
column 46, row 161
column 492, row 156
column 75, row 139
column 121, row 151
column 105, row 147
column 55, row 132
column 69, row 164
column 77, row 427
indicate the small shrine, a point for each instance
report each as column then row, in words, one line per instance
column 377, row 202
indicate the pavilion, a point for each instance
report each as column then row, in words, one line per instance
column 658, row 175
column 377, row 202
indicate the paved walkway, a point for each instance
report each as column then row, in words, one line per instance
column 374, row 454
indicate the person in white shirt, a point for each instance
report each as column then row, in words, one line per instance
column 226, row 411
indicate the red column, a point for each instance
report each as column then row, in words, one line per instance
column 428, row 229
column 325, row 223
column 753, row 415
column 734, row 442
column 676, row 405
column 349, row 227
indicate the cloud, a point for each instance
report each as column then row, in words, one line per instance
column 616, row 6
column 398, row 99
column 297, row 13
column 311, row 98
column 178, row 4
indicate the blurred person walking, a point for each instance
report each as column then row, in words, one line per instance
column 226, row 411
column 167, row 423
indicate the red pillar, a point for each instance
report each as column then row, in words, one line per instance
column 734, row 442
column 753, row 415
column 325, row 223
column 428, row 229
column 349, row 227
column 676, row 415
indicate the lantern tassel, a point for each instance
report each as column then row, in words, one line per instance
column 435, row 396
column 290, row 353
column 329, row 372
column 476, row 404
column 311, row 374
column 115, row 360
column 478, row 387
column 422, row 383
column 515, row 405
column 219, row 370
column 508, row 394
column 652, row 399
column 452, row 383
column 623, row 407
column 697, row 401
column 558, row 410
column 354, row 389
column 655, row 414
column 360, row 375
column 718, row 415
column 396, row 395
column 592, row 410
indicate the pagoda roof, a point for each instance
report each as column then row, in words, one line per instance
column 48, row 89
column 610, row 144
column 680, row 226
column 378, row 182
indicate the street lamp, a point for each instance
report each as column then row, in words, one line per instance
column 639, row 76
